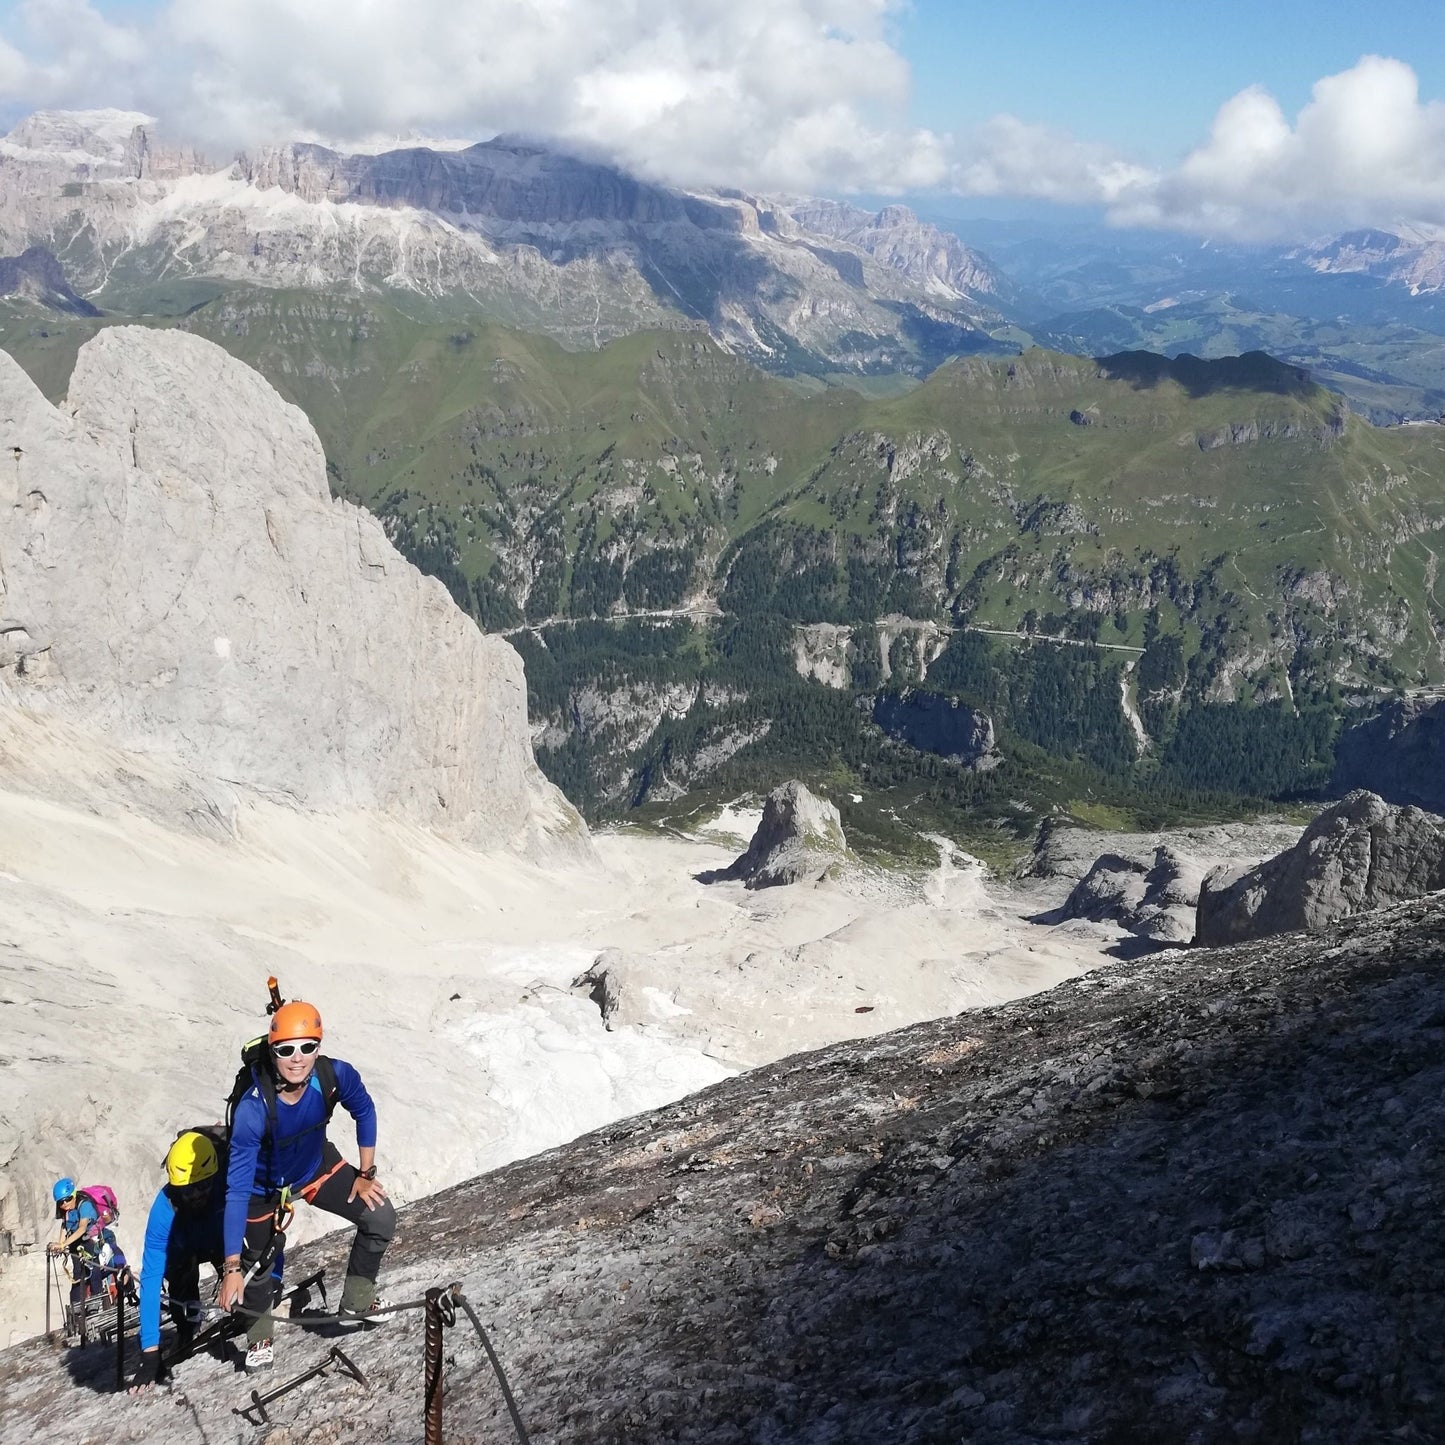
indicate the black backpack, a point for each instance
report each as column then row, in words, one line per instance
column 257, row 1071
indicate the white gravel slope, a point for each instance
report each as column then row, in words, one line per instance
column 136, row 937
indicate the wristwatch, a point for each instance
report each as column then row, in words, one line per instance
column 366, row 1173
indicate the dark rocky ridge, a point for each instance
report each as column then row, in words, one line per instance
column 507, row 181
column 1194, row 1198
column 1399, row 754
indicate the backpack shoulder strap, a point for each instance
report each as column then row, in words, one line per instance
column 260, row 1080
column 330, row 1089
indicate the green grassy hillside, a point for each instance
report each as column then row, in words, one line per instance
column 1264, row 549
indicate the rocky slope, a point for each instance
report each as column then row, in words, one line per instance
column 1191, row 1198
column 569, row 247
column 175, row 574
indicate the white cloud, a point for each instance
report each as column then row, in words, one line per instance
column 1010, row 157
column 798, row 94
column 1364, row 150
column 61, row 48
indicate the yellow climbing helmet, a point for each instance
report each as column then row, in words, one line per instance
column 191, row 1159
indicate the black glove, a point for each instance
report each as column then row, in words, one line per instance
column 148, row 1372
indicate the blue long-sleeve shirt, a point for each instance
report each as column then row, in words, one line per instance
column 261, row 1166
column 85, row 1213
column 170, row 1239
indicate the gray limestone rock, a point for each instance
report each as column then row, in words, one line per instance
column 1363, row 853
column 1192, row 1199
column 564, row 244
column 175, row 574
column 1155, row 899
column 799, row 838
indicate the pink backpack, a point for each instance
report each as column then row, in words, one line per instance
column 107, row 1206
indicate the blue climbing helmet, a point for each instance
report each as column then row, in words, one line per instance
column 63, row 1189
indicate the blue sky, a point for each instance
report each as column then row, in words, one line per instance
column 1148, row 77
column 1218, row 117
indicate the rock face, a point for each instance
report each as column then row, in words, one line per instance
column 799, row 839
column 1154, row 900
column 1191, row 1200
column 935, row 259
column 1363, row 853
column 1399, row 754
column 935, row 723
column 37, row 276
column 174, row 573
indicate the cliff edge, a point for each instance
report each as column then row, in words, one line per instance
column 175, row 573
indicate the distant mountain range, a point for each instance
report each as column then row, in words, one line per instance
column 576, row 249
column 553, row 243
column 1365, row 311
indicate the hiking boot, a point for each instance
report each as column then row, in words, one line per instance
column 260, row 1356
column 356, row 1319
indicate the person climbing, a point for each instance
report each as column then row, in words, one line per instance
column 79, row 1238
column 183, row 1230
column 279, row 1148
column 86, row 1236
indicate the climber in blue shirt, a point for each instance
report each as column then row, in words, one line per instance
column 88, row 1243
column 279, row 1149
column 183, row 1230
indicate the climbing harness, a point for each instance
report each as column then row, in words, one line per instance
column 280, row 1216
column 309, row 1191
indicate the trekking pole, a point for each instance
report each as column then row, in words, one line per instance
column 276, row 999
column 49, row 1279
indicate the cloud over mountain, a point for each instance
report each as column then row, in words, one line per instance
column 794, row 95
column 1364, row 149
column 781, row 93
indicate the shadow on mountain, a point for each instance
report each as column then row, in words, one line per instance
column 698, row 254
column 92, row 1366
column 1195, row 1199
column 1134, row 946
column 38, row 276
column 1253, row 371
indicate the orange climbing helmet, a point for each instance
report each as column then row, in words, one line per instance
column 295, row 1021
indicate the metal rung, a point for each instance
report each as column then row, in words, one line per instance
column 334, row 1356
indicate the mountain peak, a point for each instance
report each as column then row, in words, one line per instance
column 105, row 135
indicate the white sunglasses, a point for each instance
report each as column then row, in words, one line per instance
column 305, row 1047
